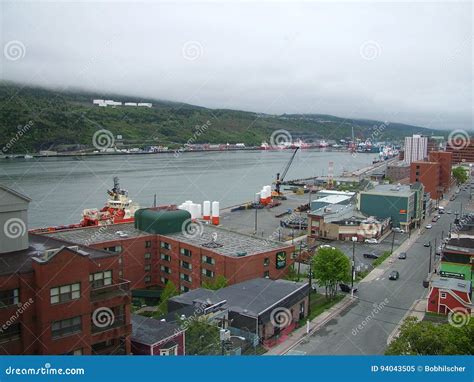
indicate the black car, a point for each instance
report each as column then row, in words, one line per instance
column 402, row 256
column 346, row 288
column 394, row 275
column 370, row 256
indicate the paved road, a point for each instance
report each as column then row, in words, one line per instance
column 364, row 328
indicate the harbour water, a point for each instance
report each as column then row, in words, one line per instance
column 60, row 188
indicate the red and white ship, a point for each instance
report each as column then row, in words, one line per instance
column 118, row 209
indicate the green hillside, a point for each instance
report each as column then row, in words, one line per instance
column 68, row 120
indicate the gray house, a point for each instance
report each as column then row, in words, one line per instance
column 13, row 220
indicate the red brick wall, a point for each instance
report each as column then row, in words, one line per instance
column 445, row 159
column 429, row 176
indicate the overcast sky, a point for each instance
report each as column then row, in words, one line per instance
column 405, row 62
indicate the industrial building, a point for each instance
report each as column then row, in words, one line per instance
column 397, row 202
column 256, row 309
column 398, row 172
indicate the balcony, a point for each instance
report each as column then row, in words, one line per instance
column 110, row 291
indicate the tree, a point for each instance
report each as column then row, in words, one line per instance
column 202, row 338
column 218, row 283
column 168, row 292
column 427, row 338
column 460, row 175
column 331, row 267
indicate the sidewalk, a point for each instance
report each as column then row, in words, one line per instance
column 300, row 334
column 417, row 310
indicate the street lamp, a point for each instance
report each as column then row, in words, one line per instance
column 354, row 239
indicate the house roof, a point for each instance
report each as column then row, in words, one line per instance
column 251, row 298
column 150, row 331
column 452, row 284
column 16, row 193
column 21, row 261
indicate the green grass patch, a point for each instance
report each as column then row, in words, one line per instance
column 319, row 304
column 381, row 259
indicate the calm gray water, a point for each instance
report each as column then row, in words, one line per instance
column 60, row 188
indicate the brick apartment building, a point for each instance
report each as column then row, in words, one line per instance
column 464, row 152
column 56, row 298
column 427, row 173
column 151, row 259
column 445, row 160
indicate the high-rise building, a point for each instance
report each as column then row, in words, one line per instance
column 416, row 148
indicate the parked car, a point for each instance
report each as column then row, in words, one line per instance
column 427, row 244
column 346, row 288
column 429, row 226
column 402, row 256
column 371, row 255
column 435, row 218
column 439, row 250
column 449, row 212
column 398, row 230
column 394, row 275
column 371, row 241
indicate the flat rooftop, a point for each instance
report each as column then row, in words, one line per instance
column 453, row 284
column 98, row 234
column 216, row 239
column 390, row 189
column 334, row 199
column 226, row 242
column 150, row 331
column 252, row 297
column 21, row 261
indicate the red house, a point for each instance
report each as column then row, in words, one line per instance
column 447, row 294
column 155, row 337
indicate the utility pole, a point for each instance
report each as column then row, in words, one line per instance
column 393, row 241
column 256, row 209
column 310, row 275
column 429, row 269
column 353, row 266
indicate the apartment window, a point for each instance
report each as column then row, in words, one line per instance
column 266, row 274
column 163, row 280
column 186, row 252
column 120, row 273
column 147, row 268
column 115, row 249
column 165, row 269
column 165, row 245
column 11, row 333
column 165, row 257
column 9, row 297
column 184, row 289
column 147, row 256
column 186, row 265
column 443, row 294
column 74, row 352
column 66, row 327
column 148, row 244
column 100, row 279
column 147, row 279
column 207, row 272
column 208, row 260
column 65, row 293
column 186, row 277
column 266, row 262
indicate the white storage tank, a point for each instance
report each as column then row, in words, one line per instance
column 206, row 210
column 215, row 213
